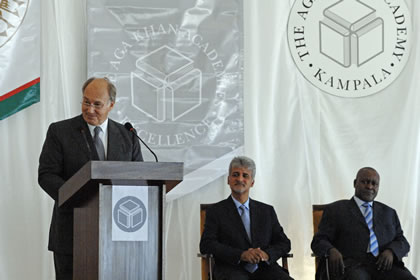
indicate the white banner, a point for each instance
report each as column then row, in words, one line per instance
column 129, row 213
column 19, row 55
column 178, row 69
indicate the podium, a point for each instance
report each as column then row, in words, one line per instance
column 89, row 192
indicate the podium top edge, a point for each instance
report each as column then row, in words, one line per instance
column 117, row 171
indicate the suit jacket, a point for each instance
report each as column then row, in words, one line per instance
column 67, row 147
column 343, row 226
column 225, row 236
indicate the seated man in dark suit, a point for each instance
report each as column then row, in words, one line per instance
column 68, row 146
column 362, row 239
column 243, row 234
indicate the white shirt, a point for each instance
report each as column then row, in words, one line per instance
column 360, row 202
column 238, row 205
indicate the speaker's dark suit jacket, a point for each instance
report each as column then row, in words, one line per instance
column 225, row 237
column 67, row 147
column 343, row 226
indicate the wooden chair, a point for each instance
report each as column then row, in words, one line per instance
column 317, row 211
column 207, row 260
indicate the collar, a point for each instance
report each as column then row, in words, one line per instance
column 360, row 202
column 238, row 204
column 103, row 126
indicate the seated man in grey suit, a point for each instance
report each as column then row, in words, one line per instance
column 243, row 234
column 68, row 146
column 362, row 238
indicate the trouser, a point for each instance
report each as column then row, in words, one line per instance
column 366, row 269
column 271, row 272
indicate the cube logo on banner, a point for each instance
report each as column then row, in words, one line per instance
column 350, row 48
column 129, row 213
column 175, row 88
column 179, row 78
column 361, row 35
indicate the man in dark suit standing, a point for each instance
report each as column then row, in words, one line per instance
column 68, row 146
column 362, row 238
column 243, row 234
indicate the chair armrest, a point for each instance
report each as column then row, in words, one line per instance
column 210, row 260
column 206, row 256
column 316, row 256
column 327, row 268
column 284, row 263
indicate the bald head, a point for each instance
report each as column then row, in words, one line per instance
column 112, row 91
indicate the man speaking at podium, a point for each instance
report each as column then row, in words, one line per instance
column 68, row 146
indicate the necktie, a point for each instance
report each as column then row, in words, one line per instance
column 98, row 143
column 250, row 267
column 373, row 243
column 245, row 220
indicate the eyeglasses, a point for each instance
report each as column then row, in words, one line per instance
column 96, row 105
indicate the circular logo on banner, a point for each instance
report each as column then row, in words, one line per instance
column 130, row 214
column 12, row 13
column 350, row 48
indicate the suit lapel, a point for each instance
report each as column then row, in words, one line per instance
column 355, row 211
column 376, row 214
column 115, row 148
column 81, row 135
column 253, row 211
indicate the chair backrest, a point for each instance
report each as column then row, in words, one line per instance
column 204, row 261
column 317, row 211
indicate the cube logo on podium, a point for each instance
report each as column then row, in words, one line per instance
column 129, row 213
column 350, row 48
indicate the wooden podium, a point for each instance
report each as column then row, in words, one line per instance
column 89, row 192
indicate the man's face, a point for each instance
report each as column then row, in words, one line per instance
column 366, row 185
column 96, row 94
column 240, row 180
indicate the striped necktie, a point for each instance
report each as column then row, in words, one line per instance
column 373, row 243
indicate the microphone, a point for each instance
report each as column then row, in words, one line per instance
column 129, row 127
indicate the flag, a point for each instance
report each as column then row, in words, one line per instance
column 19, row 55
